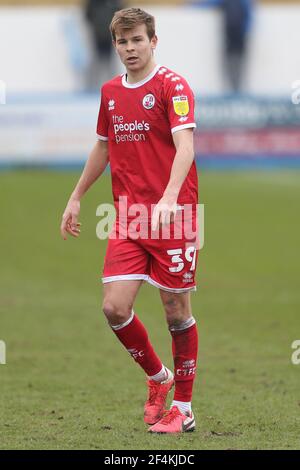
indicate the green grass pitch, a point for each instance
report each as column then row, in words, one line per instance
column 69, row 384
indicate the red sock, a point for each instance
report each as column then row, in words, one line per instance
column 135, row 339
column 185, row 351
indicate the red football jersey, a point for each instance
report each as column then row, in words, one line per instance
column 138, row 121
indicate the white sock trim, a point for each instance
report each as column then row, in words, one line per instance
column 184, row 406
column 184, row 325
column 122, row 325
column 164, row 375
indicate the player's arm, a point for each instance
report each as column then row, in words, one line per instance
column 165, row 210
column 94, row 167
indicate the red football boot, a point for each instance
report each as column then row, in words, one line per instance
column 155, row 404
column 173, row 421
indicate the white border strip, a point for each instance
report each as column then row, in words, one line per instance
column 145, row 277
column 125, row 277
column 184, row 126
column 169, row 289
column 102, row 137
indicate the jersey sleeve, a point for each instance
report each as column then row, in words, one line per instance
column 102, row 124
column 180, row 103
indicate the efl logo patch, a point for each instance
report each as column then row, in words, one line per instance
column 148, row 101
column 181, row 105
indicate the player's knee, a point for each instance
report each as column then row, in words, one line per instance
column 173, row 306
column 176, row 310
column 115, row 314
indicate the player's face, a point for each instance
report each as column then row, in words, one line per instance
column 134, row 47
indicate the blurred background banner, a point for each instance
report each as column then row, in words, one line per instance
column 59, row 130
column 51, row 100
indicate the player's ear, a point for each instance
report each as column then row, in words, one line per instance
column 154, row 41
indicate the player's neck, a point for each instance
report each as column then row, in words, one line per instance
column 139, row 75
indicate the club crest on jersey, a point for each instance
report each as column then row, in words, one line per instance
column 181, row 105
column 148, row 101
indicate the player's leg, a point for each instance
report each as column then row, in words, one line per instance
column 172, row 270
column 183, row 329
column 126, row 266
column 118, row 303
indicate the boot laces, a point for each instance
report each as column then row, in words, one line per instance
column 170, row 415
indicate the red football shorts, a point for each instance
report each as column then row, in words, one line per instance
column 167, row 262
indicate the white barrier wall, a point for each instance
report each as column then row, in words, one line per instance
column 33, row 52
column 45, row 49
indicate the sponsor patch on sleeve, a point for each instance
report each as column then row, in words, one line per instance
column 181, row 105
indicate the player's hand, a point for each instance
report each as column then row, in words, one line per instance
column 69, row 223
column 164, row 212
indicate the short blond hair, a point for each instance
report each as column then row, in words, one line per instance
column 129, row 18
